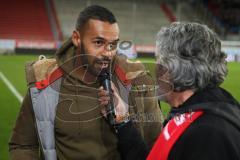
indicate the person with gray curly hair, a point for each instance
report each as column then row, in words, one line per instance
column 205, row 116
column 192, row 54
column 204, row 120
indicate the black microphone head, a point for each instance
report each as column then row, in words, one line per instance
column 105, row 74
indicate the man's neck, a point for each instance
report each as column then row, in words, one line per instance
column 175, row 99
column 86, row 77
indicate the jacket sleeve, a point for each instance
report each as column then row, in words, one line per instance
column 131, row 145
column 23, row 143
column 145, row 109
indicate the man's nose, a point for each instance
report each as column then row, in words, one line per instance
column 107, row 53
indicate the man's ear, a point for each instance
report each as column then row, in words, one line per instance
column 76, row 39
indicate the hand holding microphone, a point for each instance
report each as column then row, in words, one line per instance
column 109, row 107
column 119, row 106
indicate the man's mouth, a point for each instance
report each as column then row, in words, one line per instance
column 103, row 64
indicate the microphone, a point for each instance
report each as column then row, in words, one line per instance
column 110, row 109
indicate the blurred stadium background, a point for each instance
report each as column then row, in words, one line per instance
column 32, row 27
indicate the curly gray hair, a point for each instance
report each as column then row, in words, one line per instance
column 191, row 52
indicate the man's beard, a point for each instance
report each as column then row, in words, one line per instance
column 90, row 67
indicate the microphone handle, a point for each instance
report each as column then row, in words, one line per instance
column 110, row 106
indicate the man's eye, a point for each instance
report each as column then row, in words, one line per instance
column 98, row 43
column 112, row 46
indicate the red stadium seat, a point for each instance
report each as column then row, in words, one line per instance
column 24, row 20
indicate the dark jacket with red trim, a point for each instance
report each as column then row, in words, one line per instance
column 213, row 136
column 86, row 135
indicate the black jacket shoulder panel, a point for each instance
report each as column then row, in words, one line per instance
column 209, row 137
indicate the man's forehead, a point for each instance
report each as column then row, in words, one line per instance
column 97, row 28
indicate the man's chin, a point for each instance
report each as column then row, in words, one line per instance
column 96, row 71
